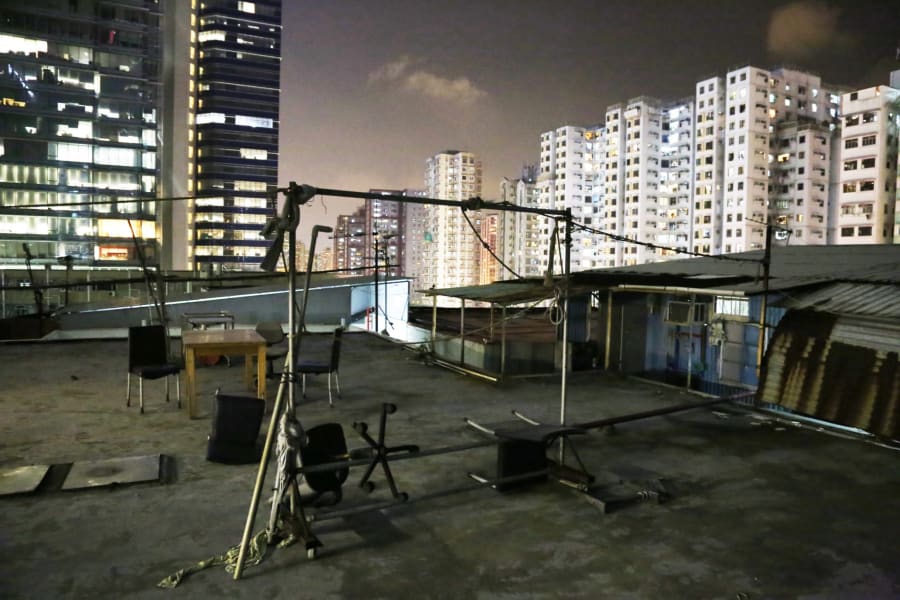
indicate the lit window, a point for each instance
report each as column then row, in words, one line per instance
column 204, row 118
column 247, row 7
column 214, row 35
column 247, row 121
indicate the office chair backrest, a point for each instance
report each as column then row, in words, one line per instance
column 271, row 331
column 325, row 443
column 147, row 345
column 336, row 349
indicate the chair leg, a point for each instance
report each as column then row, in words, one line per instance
column 303, row 384
column 141, row 390
column 337, row 381
column 330, row 401
column 178, row 389
column 128, row 390
column 167, row 388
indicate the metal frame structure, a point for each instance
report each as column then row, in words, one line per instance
column 290, row 431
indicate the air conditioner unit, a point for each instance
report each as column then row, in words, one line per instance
column 678, row 313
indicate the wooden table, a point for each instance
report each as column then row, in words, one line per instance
column 219, row 342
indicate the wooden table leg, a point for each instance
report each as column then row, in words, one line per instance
column 191, row 374
column 248, row 369
column 261, row 372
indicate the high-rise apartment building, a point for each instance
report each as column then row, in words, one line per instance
column 451, row 250
column 223, row 74
column 758, row 105
column 351, row 254
column 79, row 130
column 676, row 174
column 386, row 224
column 520, row 245
column 569, row 170
column 867, row 207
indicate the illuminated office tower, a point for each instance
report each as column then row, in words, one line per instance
column 867, row 207
column 451, row 249
column 79, row 118
column 223, row 60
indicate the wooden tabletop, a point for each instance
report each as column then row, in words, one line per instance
column 199, row 337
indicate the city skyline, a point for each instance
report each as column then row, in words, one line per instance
column 368, row 94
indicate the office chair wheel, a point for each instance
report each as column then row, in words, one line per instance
column 390, row 408
column 360, row 428
column 367, row 486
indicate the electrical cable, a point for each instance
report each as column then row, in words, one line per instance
column 487, row 246
column 652, row 246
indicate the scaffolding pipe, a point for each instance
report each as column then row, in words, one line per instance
column 609, row 307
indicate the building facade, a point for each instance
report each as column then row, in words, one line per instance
column 451, row 249
column 866, row 212
column 79, row 130
column 520, row 245
column 231, row 162
column 351, row 254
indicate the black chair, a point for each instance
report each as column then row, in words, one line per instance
column 319, row 367
column 325, row 443
column 276, row 347
column 148, row 358
column 234, row 438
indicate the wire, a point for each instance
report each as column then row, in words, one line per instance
column 622, row 238
column 487, row 246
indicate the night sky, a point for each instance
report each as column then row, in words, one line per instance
column 371, row 89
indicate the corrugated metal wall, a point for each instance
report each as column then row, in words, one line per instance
column 840, row 369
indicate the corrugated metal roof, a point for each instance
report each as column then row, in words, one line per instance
column 500, row 292
column 869, row 299
column 840, row 369
column 790, row 267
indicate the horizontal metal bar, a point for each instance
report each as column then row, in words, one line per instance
column 473, row 204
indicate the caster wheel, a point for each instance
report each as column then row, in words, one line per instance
column 368, row 487
column 390, row 408
column 403, row 497
column 311, row 553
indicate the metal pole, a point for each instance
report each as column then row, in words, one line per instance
column 567, row 268
column 433, row 322
column 503, row 342
column 609, row 307
column 767, row 261
column 462, row 332
column 690, row 342
column 376, row 282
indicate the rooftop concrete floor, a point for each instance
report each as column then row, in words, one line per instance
column 760, row 508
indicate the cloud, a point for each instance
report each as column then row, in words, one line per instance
column 802, row 29
column 404, row 72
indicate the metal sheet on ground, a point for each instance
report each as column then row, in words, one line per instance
column 22, row 480
column 97, row 473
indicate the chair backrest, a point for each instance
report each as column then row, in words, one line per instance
column 147, row 345
column 325, row 443
column 336, row 349
column 271, row 331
